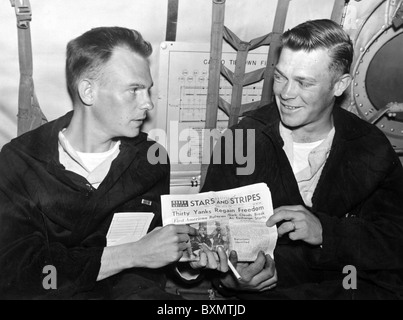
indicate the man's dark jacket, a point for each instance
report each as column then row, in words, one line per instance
column 358, row 200
column 51, row 216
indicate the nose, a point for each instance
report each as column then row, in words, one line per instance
column 148, row 106
column 289, row 90
column 147, row 103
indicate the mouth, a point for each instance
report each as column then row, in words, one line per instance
column 291, row 108
column 140, row 119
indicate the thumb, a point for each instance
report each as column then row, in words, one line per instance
column 233, row 258
column 270, row 222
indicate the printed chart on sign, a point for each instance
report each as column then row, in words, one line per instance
column 182, row 97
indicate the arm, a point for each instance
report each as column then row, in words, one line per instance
column 25, row 249
column 157, row 249
column 260, row 275
column 371, row 237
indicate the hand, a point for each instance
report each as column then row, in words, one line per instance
column 300, row 224
column 260, row 275
column 163, row 246
column 211, row 260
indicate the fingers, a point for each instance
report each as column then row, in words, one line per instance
column 267, row 277
column 203, row 260
column 286, row 227
column 211, row 260
column 182, row 237
column 202, row 263
column 269, row 284
column 184, row 229
column 223, row 259
column 233, row 258
column 254, row 268
column 184, row 246
column 285, row 213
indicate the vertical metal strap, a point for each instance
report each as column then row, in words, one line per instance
column 172, row 21
column 338, row 10
column 272, row 59
column 213, row 91
column 30, row 115
column 237, row 88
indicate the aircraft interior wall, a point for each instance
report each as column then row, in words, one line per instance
column 55, row 22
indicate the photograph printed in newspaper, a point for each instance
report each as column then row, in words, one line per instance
column 234, row 219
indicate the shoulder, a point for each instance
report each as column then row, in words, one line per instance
column 144, row 143
column 366, row 145
column 41, row 141
column 149, row 151
column 356, row 129
column 259, row 118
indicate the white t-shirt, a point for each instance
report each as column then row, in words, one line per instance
column 92, row 166
column 93, row 160
column 301, row 155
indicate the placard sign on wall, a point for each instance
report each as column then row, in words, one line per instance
column 181, row 110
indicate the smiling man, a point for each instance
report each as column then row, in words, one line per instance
column 336, row 182
column 61, row 184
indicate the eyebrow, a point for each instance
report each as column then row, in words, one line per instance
column 298, row 78
column 140, row 85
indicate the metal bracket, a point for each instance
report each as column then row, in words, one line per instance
column 23, row 12
column 398, row 18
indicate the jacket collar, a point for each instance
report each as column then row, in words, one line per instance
column 42, row 143
column 348, row 126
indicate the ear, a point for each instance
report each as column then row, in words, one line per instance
column 86, row 92
column 342, row 84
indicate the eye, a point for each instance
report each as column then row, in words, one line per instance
column 278, row 77
column 305, row 84
column 133, row 90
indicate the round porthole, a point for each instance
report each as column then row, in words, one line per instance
column 384, row 80
column 378, row 81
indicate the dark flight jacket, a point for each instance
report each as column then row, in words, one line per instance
column 53, row 217
column 358, row 200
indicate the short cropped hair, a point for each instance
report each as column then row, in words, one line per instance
column 88, row 53
column 322, row 34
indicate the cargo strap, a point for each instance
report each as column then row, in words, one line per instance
column 30, row 115
column 238, row 79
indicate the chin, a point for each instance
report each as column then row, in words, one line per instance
column 131, row 133
column 291, row 123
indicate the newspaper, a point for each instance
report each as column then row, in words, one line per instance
column 233, row 219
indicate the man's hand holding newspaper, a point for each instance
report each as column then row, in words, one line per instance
column 231, row 225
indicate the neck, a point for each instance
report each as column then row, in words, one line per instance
column 314, row 132
column 85, row 136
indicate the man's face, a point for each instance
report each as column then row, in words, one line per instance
column 304, row 89
column 123, row 94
